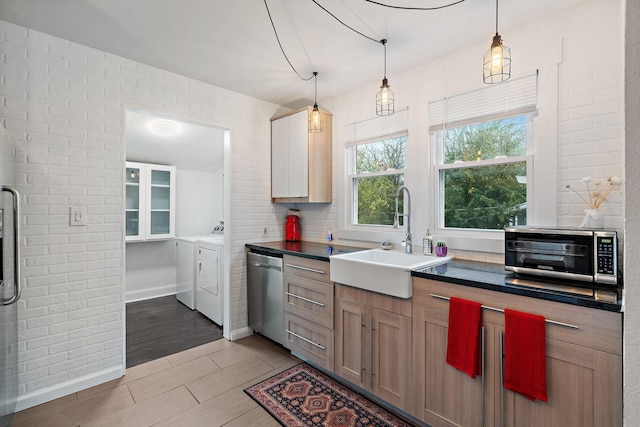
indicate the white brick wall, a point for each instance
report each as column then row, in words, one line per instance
column 590, row 110
column 63, row 104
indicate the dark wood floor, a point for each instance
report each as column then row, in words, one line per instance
column 163, row 326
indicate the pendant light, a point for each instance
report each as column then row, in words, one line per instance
column 497, row 60
column 384, row 97
column 316, row 124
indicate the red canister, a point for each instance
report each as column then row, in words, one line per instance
column 292, row 228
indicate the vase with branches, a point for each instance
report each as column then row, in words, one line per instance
column 597, row 192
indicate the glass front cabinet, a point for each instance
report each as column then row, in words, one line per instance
column 150, row 202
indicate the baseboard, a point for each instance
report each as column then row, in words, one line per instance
column 50, row 393
column 149, row 293
column 240, row 333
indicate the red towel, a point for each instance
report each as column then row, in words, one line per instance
column 463, row 338
column 525, row 363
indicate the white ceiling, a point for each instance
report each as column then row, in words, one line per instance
column 230, row 43
column 195, row 147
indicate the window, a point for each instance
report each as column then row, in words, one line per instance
column 483, row 144
column 376, row 165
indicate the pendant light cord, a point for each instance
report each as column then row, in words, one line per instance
column 282, row 49
column 315, row 90
column 338, row 19
column 414, row 8
column 496, row 16
column 384, row 44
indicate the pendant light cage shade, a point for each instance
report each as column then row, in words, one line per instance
column 497, row 62
column 384, row 100
column 384, row 97
column 316, row 124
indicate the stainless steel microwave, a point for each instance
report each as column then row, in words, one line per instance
column 564, row 253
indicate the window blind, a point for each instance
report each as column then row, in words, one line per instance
column 378, row 128
column 511, row 98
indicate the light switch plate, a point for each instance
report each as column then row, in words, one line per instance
column 77, row 215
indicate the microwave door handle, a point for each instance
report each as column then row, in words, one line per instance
column 17, row 290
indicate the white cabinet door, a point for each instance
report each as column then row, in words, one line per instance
column 135, row 201
column 290, row 156
column 210, row 279
column 280, row 158
column 161, row 203
column 150, row 202
column 298, row 155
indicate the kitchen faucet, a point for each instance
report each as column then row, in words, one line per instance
column 407, row 239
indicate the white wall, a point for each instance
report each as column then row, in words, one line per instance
column 587, row 124
column 64, row 105
column 199, row 201
column 632, row 217
column 150, row 269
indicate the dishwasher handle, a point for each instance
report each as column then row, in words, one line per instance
column 267, row 266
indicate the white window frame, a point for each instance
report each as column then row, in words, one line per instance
column 541, row 159
column 376, row 130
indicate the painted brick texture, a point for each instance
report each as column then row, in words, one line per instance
column 63, row 105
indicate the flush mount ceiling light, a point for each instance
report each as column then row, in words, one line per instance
column 316, row 124
column 384, row 97
column 164, row 127
column 497, row 60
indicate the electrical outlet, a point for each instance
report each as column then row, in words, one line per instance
column 265, row 233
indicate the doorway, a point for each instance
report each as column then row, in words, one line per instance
column 195, row 153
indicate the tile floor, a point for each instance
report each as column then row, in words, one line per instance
column 202, row 386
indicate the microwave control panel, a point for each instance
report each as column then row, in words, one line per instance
column 606, row 259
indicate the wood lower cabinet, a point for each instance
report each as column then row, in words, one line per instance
column 373, row 343
column 308, row 310
column 584, row 365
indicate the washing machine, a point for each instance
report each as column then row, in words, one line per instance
column 210, row 277
column 186, row 287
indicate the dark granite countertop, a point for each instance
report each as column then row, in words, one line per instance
column 468, row 273
column 313, row 250
column 494, row 277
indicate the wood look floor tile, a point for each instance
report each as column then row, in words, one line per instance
column 131, row 374
column 221, row 381
column 196, row 352
column 151, row 411
column 257, row 417
column 214, row 412
column 158, row 383
column 78, row 412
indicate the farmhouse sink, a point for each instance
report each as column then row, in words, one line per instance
column 378, row 270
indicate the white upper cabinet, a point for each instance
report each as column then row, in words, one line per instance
column 150, row 202
column 300, row 161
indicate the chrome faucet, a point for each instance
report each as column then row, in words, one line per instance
column 407, row 239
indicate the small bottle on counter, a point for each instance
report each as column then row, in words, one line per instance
column 427, row 244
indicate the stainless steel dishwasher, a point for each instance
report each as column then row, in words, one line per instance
column 264, row 294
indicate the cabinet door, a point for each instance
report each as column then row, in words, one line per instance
column 290, row 156
column 298, row 155
column 134, row 201
column 161, row 202
column 350, row 341
column 445, row 396
column 583, row 389
column 280, row 158
column 389, row 343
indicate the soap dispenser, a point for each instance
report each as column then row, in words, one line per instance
column 427, row 244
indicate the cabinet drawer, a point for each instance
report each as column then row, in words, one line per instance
column 305, row 267
column 309, row 299
column 309, row 340
column 597, row 329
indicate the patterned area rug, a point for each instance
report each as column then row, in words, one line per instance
column 303, row 396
